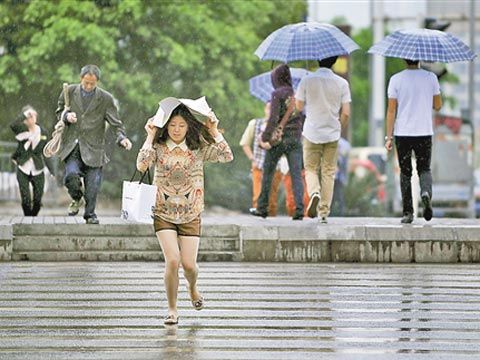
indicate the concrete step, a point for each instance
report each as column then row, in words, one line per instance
column 246, row 238
column 113, row 241
column 126, row 255
column 113, row 227
column 73, row 242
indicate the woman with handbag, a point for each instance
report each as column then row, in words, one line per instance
column 179, row 150
column 29, row 159
column 282, row 136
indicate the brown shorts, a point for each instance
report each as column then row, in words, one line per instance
column 188, row 229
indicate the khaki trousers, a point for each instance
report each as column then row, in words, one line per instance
column 320, row 161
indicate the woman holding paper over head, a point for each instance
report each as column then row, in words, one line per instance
column 178, row 145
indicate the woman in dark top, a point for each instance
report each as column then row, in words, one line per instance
column 29, row 159
column 290, row 145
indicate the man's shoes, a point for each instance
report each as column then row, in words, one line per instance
column 323, row 220
column 297, row 217
column 74, row 207
column 93, row 220
column 258, row 213
column 312, row 208
column 427, row 206
column 407, row 218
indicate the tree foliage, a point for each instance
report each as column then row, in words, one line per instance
column 360, row 84
column 147, row 50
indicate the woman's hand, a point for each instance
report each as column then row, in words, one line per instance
column 388, row 144
column 264, row 145
column 212, row 124
column 150, row 128
column 30, row 114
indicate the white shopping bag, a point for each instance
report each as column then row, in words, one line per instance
column 138, row 202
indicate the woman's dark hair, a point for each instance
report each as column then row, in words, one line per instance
column 327, row 62
column 411, row 62
column 197, row 133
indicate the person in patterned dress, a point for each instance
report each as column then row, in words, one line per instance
column 179, row 150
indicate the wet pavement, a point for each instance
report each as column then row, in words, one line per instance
column 80, row 310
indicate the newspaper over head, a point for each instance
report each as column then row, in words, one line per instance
column 198, row 107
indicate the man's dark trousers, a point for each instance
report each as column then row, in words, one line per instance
column 422, row 147
column 75, row 168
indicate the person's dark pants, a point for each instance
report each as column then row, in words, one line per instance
column 422, row 147
column 75, row 169
column 338, row 198
column 38, row 183
column 294, row 153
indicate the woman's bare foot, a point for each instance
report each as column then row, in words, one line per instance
column 195, row 297
column 194, row 294
column 171, row 318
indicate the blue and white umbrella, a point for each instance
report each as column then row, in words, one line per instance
column 423, row 44
column 305, row 41
column 261, row 85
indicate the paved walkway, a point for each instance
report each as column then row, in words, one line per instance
column 111, row 311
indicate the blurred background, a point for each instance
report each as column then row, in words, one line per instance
column 148, row 50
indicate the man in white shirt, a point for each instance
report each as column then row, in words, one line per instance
column 327, row 98
column 412, row 93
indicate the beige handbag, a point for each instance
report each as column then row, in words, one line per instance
column 53, row 146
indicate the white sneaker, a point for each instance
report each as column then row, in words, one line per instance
column 312, row 208
column 74, row 207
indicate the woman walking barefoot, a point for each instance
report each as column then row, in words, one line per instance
column 178, row 150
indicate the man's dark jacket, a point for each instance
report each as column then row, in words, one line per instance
column 89, row 130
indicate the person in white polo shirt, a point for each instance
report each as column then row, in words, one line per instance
column 327, row 99
column 412, row 93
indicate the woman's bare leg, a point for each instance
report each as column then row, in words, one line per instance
column 188, row 254
column 169, row 243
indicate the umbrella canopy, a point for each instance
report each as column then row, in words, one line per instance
column 305, row 41
column 261, row 85
column 424, row 45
